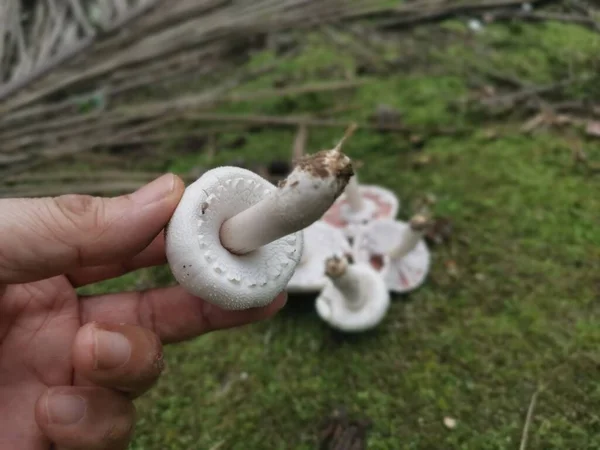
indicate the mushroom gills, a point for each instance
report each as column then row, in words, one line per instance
column 321, row 241
column 406, row 265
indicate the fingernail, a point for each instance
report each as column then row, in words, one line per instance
column 156, row 190
column 112, row 349
column 284, row 300
column 63, row 409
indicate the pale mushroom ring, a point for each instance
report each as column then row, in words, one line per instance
column 203, row 266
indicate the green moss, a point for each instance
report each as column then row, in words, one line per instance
column 473, row 348
column 536, row 53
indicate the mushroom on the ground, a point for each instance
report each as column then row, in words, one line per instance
column 235, row 239
column 359, row 205
column 321, row 241
column 406, row 265
column 355, row 297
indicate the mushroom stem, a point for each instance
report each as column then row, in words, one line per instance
column 355, row 200
column 343, row 276
column 301, row 199
column 413, row 234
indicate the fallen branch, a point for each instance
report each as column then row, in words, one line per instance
column 536, row 16
column 234, row 21
column 296, row 121
column 84, row 125
column 73, row 148
column 63, row 33
column 187, row 102
column 286, row 121
column 505, row 102
column 420, row 12
column 528, row 419
column 299, row 146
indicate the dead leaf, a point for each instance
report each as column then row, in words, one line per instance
column 593, row 128
column 452, row 268
column 417, row 141
column 440, row 231
column 533, row 123
column 421, row 161
column 386, row 115
column 342, row 433
column 489, row 91
column 490, row 134
column 450, row 423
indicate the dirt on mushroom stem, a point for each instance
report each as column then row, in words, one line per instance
column 328, row 163
column 304, row 196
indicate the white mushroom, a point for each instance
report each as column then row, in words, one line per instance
column 321, row 241
column 398, row 250
column 234, row 239
column 359, row 205
column 355, row 297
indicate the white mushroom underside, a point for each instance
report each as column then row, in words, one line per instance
column 332, row 307
column 199, row 261
column 321, row 241
column 402, row 274
column 378, row 203
column 407, row 273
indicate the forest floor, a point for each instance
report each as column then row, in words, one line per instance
column 507, row 321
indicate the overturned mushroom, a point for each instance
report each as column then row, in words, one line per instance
column 355, row 298
column 359, row 205
column 398, row 250
column 235, row 239
column 321, row 241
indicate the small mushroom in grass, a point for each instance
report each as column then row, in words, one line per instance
column 235, row 239
column 355, row 297
column 321, row 241
column 406, row 265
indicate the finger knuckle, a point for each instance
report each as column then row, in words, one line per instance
column 75, row 215
column 85, row 212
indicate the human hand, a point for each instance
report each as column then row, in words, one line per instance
column 70, row 367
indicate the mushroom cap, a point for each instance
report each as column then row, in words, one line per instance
column 401, row 274
column 332, row 307
column 379, row 203
column 201, row 264
column 321, row 241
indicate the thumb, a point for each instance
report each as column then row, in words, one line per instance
column 45, row 237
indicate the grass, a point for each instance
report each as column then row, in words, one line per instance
column 520, row 312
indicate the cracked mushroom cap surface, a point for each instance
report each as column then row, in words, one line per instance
column 401, row 274
column 321, row 241
column 379, row 203
column 332, row 307
column 201, row 264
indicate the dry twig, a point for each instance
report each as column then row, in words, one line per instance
column 528, row 419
